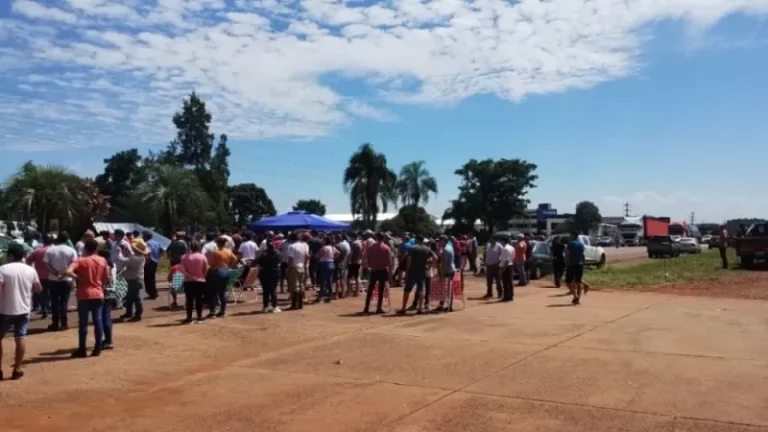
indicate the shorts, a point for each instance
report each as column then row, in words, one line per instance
column 353, row 273
column 417, row 282
column 339, row 272
column 20, row 324
column 403, row 263
column 574, row 273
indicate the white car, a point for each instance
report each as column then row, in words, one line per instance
column 593, row 255
column 689, row 245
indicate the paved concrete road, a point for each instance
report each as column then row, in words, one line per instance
column 620, row 362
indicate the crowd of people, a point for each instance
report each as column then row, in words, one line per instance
column 40, row 274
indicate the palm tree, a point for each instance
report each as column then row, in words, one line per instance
column 415, row 184
column 369, row 182
column 44, row 193
column 174, row 193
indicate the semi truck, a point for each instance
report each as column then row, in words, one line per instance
column 680, row 229
column 632, row 231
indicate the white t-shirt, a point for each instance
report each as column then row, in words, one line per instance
column 248, row 250
column 507, row 254
column 298, row 251
column 16, row 283
column 230, row 244
column 209, row 248
column 59, row 257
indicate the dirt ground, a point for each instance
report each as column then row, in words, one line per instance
column 618, row 362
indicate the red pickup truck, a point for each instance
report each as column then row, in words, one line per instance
column 753, row 246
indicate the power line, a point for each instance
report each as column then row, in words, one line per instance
column 627, row 207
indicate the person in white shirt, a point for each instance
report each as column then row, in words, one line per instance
column 284, row 245
column 298, row 259
column 17, row 283
column 492, row 270
column 506, row 265
column 210, row 245
column 57, row 259
column 229, row 242
column 80, row 246
column 121, row 249
column 247, row 254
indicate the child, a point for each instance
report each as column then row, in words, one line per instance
column 173, row 289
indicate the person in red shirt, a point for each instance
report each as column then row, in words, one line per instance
column 519, row 261
column 35, row 259
column 380, row 263
column 91, row 272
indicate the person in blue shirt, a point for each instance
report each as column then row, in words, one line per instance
column 447, row 271
column 150, row 266
column 575, row 270
column 405, row 248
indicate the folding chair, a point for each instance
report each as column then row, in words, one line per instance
column 177, row 285
column 235, row 287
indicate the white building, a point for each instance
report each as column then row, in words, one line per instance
column 348, row 218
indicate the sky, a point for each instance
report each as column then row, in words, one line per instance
column 659, row 103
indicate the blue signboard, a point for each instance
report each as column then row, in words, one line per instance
column 545, row 211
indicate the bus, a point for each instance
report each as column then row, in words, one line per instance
column 680, row 229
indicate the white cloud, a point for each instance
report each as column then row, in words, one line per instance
column 35, row 10
column 262, row 64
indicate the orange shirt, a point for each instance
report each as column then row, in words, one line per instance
column 520, row 247
column 92, row 271
column 223, row 258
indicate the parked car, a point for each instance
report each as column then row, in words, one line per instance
column 689, row 245
column 594, row 255
column 662, row 246
column 542, row 260
column 605, row 241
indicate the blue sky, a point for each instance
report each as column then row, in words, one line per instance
column 661, row 106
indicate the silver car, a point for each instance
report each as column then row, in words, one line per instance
column 689, row 245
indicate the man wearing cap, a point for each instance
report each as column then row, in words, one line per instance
column 150, row 266
column 17, row 283
column 133, row 274
column 57, row 259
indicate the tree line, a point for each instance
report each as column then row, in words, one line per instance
column 187, row 185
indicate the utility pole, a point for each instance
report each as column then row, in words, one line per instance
column 693, row 218
column 626, row 209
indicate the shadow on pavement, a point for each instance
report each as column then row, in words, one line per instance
column 561, row 305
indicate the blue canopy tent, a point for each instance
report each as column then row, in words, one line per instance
column 297, row 220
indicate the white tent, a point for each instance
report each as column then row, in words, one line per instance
column 130, row 227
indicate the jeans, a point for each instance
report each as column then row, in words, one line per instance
column 220, row 280
column 522, row 276
column 380, row 278
column 45, row 297
column 326, row 279
column 194, row 294
column 133, row 298
column 313, row 262
column 59, row 291
column 150, row 278
column 269, row 291
column 506, row 280
column 492, row 273
column 724, row 257
column 94, row 308
column 106, row 321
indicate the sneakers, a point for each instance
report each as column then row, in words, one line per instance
column 16, row 375
column 221, row 315
column 137, row 318
column 107, row 346
column 266, row 310
column 277, row 310
column 80, row 353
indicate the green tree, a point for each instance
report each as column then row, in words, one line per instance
column 586, row 217
column 247, row 202
column 412, row 219
column 174, row 194
column 371, row 184
column 123, row 172
column 193, row 148
column 49, row 193
column 415, row 184
column 310, row 205
column 492, row 191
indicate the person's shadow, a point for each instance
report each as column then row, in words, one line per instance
column 51, row 357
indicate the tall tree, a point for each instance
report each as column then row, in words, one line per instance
column 123, row 172
column 247, row 202
column 371, row 184
column 194, row 141
column 492, row 191
column 412, row 219
column 415, row 184
column 586, row 217
column 310, row 205
column 174, row 194
column 193, row 148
